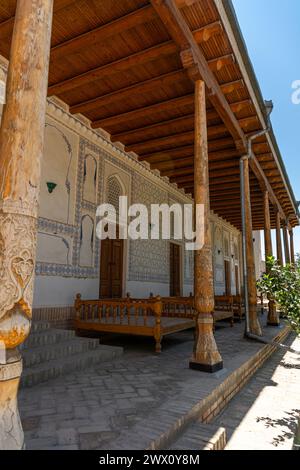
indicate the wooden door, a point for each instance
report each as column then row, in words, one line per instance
column 175, row 286
column 237, row 280
column 227, row 277
column 111, row 269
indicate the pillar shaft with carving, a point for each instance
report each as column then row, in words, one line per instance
column 278, row 239
column 206, row 356
column 273, row 317
column 21, row 150
column 254, row 324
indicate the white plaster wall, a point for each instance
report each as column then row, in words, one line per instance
column 54, row 291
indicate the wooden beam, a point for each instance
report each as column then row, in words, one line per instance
column 186, row 137
column 126, row 63
column 142, row 87
column 187, row 151
column 168, row 141
column 147, row 86
column 7, row 26
column 135, row 135
column 231, row 168
column 148, row 111
column 183, row 37
column 104, row 71
column 164, row 106
column 103, row 33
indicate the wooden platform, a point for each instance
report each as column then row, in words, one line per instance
column 155, row 316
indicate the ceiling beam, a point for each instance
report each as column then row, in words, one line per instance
column 149, row 111
column 137, row 89
column 187, row 151
column 140, row 88
column 134, row 134
column 7, row 26
column 126, row 63
column 185, row 137
column 103, row 33
column 177, row 27
column 171, row 140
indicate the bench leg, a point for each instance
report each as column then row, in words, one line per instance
column 158, row 345
column 232, row 322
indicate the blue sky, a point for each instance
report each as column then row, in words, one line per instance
column 271, row 29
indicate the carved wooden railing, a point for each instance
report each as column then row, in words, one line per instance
column 127, row 310
column 178, row 307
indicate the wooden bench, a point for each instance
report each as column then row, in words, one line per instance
column 224, row 309
column 141, row 317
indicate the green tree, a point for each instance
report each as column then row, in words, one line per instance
column 282, row 284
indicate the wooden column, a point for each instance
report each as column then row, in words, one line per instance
column 21, row 150
column 254, row 324
column 206, row 356
column 278, row 239
column 286, row 244
column 292, row 246
column 273, row 318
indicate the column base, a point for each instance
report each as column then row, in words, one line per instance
column 211, row 369
column 206, row 357
column 11, row 432
column 273, row 324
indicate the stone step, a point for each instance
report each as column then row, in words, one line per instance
column 47, row 338
column 37, row 355
column 200, row 436
column 55, row 368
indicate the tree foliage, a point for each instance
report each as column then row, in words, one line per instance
column 282, row 284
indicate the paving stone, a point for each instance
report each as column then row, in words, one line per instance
column 101, row 407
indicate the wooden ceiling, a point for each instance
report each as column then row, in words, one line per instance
column 116, row 62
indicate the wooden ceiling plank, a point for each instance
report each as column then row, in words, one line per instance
column 103, row 32
column 6, row 27
column 147, row 86
column 121, row 65
column 136, row 114
column 185, row 137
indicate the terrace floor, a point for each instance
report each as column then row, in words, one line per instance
column 132, row 401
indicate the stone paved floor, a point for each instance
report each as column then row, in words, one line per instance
column 264, row 415
column 124, row 404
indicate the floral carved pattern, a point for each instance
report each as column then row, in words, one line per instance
column 17, row 249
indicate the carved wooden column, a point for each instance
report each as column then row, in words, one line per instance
column 278, row 239
column 21, row 150
column 273, row 317
column 292, row 246
column 286, row 244
column 254, row 324
column 206, row 356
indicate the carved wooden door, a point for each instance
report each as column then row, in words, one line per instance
column 111, row 269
